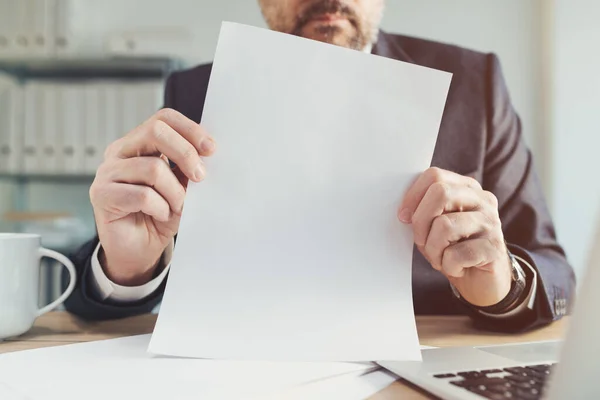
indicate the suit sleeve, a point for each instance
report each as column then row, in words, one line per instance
column 85, row 301
column 528, row 229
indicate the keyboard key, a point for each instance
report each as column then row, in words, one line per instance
column 527, row 394
column 471, row 375
column 529, row 385
column 542, row 369
column 491, row 371
column 502, row 388
column 481, row 383
column 541, row 376
column 517, row 371
column 488, row 395
column 521, row 379
column 444, row 376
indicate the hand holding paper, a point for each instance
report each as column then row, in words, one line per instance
column 290, row 250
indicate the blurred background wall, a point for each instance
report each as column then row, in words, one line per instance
column 576, row 134
column 546, row 48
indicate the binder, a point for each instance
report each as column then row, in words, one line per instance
column 7, row 27
column 23, row 27
column 130, row 116
column 42, row 16
column 72, row 124
column 11, row 126
column 150, row 99
column 62, row 33
column 33, row 107
column 114, row 113
column 158, row 94
column 36, row 38
column 47, row 132
column 94, row 129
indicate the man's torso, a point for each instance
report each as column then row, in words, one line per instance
column 461, row 145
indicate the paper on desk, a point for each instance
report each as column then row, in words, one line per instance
column 291, row 249
column 352, row 386
column 122, row 368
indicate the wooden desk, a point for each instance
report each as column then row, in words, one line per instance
column 60, row 328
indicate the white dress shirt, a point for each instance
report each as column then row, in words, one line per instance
column 127, row 294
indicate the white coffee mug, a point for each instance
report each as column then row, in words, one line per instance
column 20, row 259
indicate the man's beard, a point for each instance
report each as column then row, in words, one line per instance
column 357, row 38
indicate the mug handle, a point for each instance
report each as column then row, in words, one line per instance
column 70, row 267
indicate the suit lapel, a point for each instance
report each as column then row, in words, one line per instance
column 389, row 47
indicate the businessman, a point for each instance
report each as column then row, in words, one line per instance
column 484, row 241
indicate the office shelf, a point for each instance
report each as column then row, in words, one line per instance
column 47, row 178
column 131, row 68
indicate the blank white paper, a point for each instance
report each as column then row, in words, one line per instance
column 122, row 369
column 352, row 386
column 291, row 249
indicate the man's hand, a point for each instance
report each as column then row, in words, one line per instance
column 138, row 199
column 457, row 228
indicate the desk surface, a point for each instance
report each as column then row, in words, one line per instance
column 59, row 328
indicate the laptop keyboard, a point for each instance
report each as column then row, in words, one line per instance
column 522, row 383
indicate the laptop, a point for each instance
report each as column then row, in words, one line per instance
column 526, row 371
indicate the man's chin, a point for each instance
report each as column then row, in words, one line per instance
column 338, row 34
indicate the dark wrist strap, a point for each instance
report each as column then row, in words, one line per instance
column 508, row 303
column 514, row 297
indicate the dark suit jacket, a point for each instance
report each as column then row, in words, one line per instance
column 480, row 136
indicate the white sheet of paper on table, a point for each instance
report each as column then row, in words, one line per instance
column 351, row 386
column 122, row 368
column 291, row 249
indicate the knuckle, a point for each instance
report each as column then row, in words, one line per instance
column 102, row 170
column 444, row 225
column 158, row 130
column 472, row 182
column 112, row 149
column 166, row 114
column 100, row 195
column 449, row 258
column 93, row 192
column 435, row 173
column 441, row 191
column 155, row 168
column 142, row 196
column 490, row 198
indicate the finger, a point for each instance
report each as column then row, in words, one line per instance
column 153, row 172
column 190, row 130
column 473, row 253
column 122, row 199
column 443, row 198
column 183, row 180
column 417, row 191
column 157, row 137
column 449, row 229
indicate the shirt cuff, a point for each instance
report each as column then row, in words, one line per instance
column 528, row 302
column 108, row 290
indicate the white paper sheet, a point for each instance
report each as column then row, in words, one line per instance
column 291, row 249
column 122, row 369
column 353, row 386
